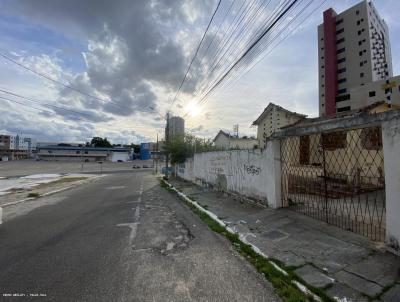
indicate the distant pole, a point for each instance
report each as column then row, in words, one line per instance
column 157, row 155
column 82, row 159
column 167, row 144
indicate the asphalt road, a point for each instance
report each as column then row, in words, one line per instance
column 121, row 238
column 17, row 168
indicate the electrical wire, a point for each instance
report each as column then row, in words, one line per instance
column 249, row 49
column 49, row 78
column 196, row 52
column 43, row 104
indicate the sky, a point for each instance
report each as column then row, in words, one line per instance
column 132, row 56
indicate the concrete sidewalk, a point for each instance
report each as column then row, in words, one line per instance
column 348, row 266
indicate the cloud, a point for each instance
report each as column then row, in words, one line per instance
column 130, row 44
column 133, row 55
column 132, row 60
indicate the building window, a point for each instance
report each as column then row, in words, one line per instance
column 341, row 50
column 372, row 93
column 340, row 40
column 361, row 64
column 361, row 75
column 342, row 80
column 339, row 21
column 360, row 53
column 341, row 60
column 347, row 108
column 340, row 31
column 357, row 12
column 340, row 91
column 341, row 70
column 359, row 32
column 342, row 98
column 78, row 152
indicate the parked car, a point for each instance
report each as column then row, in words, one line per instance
column 136, row 167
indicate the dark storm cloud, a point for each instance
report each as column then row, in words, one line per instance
column 130, row 44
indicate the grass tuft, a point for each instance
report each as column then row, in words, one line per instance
column 33, row 195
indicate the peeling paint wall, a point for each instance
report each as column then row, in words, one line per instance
column 391, row 148
column 252, row 173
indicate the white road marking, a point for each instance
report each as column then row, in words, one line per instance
column 115, row 188
column 133, row 227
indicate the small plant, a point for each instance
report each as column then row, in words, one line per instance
column 33, row 195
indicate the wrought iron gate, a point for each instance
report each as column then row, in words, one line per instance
column 337, row 177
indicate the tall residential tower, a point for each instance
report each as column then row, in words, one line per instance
column 353, row 50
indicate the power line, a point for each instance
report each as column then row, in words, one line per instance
column 233, row 41
column 196, row 52
column 269, row 18
column 279, row 41
column 33, row 107
column 266, row 31
column 49, row 78
column 43, row 104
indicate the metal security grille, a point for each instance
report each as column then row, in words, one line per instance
column 337, row 177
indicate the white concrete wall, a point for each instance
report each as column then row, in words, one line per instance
column 252, row 173
column 391, row 147
column 186, row 170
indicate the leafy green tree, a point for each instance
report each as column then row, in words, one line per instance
column 135, row 147
column 182, row 147
column 100, row 142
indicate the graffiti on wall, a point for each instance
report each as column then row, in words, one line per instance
column 252, row 170
column 218, row 164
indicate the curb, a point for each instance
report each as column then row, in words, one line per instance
column 299, row 285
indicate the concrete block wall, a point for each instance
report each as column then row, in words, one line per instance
column 252, row 173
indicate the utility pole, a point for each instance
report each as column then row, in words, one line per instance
column 157, row 155
column 167, row 145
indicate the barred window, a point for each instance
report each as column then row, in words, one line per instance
column 371, row 138
column 334, row 140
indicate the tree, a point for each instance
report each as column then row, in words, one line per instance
column 100, row 142
column 182, row 147
column 135, row 147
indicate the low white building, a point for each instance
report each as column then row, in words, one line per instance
column 272, row 119
column 83, row 153
column 225, row 141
